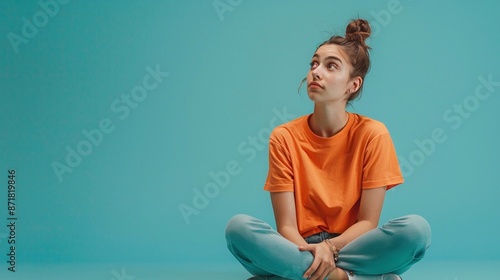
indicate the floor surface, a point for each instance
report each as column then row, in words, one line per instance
column 426, row 270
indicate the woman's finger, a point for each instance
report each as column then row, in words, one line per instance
column 325, row 273
column 312, row 268
column 324, row 269
column 307, row 247
column 320, row 272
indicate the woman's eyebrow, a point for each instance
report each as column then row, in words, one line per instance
column 329, row 57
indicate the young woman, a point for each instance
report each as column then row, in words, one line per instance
column 328, row 175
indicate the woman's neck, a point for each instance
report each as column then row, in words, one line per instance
column 328, row 120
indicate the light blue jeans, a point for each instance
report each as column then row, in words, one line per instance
column 391, row 248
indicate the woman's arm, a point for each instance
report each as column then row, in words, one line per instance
column 285, row 216
column 286, row 223
column 370, row 209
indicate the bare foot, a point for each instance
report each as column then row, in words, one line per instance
column 338, row 274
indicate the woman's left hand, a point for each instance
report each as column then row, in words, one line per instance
column 323, row 263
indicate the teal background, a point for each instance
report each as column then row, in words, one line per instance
column 228, row 76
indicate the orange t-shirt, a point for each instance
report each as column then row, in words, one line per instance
column 327, row 175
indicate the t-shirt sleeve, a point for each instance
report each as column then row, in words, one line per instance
column 381, row 166
column 280, row 174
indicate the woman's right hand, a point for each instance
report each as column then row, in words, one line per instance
column 323, row 263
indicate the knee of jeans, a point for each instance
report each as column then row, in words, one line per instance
column 415, row 229
column 236, row 226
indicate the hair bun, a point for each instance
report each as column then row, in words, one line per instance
column 358, row 30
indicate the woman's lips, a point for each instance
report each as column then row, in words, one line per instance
column 314, row 84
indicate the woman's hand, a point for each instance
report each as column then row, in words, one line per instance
column 323, row 263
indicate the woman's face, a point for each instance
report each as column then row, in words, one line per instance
column 329, row 78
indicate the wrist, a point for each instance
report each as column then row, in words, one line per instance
column 339, row 242
column 333, row 249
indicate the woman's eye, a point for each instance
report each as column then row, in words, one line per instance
column 313, row 64
column 332, row 66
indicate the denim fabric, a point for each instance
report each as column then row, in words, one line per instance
column 320, row 237
column 391, row 248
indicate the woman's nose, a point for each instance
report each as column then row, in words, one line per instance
column 315, row 75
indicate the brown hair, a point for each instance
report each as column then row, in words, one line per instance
column 354, row 46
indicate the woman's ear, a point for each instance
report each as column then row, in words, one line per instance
column 356, row 84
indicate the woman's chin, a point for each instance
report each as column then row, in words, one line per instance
column 313, row 95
